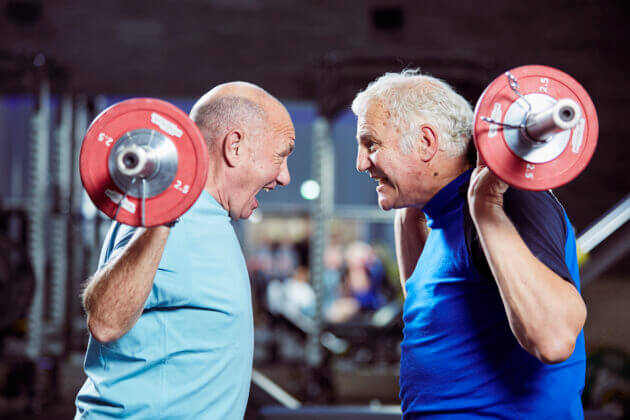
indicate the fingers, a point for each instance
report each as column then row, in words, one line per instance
column 478, row 173
column 480, row 162
column 481, row 165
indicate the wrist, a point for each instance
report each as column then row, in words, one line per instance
column 171, row 223
column 486, row 210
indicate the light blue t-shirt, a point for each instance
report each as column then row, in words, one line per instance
column 190, row 353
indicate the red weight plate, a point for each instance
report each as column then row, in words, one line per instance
column 496, row 153
column 154, row 114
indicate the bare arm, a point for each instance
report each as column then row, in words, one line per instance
column 115, row 295
column 410, row 233
column 545, row 312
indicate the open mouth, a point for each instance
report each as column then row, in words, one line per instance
column 265, row 189
column 380, row 181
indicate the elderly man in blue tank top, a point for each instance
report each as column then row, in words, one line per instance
column 169, row 310
column 493, row 313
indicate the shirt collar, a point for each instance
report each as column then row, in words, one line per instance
column 446, row 197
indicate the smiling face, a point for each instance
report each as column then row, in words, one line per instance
column 266, row 167
column 400, row 176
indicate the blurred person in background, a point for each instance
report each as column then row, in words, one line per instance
column 293, row 296
column 259, row 267
column 362, row 282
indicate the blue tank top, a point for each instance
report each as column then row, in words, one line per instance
column 459, row 357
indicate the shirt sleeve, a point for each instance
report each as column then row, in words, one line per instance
column 539, row 219
column 115, row 242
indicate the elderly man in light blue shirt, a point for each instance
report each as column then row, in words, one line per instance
column 169, row 309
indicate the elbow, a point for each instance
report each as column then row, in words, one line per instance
column 556, row 351
column 559, row 347
column 101, row 332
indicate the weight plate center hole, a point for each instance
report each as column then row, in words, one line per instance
column 130, row 160
column 566, row 114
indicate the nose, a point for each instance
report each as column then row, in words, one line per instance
column 363, row 163
column 284, row 177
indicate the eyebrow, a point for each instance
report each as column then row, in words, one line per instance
column 289, row 148
column 366, row 136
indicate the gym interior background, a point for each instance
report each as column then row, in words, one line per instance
column 63, row 62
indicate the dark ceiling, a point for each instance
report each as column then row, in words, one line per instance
column 181, row 47
column 325, row 50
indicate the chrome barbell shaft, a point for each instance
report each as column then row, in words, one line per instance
column 563, row 115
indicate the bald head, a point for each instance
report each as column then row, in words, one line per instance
column 229, row 106
column 244, row 90
column 250, row 135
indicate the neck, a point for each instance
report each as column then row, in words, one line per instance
column 216, row 185
column 453, row 168
column 443, row 172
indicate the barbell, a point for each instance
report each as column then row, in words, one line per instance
column 535, row 127
column 144, row 162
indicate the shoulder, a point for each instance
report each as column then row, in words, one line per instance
column 539, row 211
column 206, row 234
column 117, row 238
column 539, row 219
column 539, row 201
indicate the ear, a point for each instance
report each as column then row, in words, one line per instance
column 428, row 142
column 233, row 147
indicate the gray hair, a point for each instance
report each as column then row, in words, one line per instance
column 218, row 115
column 412, row 99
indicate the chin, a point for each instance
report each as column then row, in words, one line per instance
column 237, row 215
column 385, row 204
column 248, row 211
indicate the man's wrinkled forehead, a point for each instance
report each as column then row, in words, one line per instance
column 285, row 128
column 374, row 115
column 281, row 121
column 375, row 110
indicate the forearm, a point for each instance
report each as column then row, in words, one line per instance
column 545, row 312
column 410, row 234
column 115, row 296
